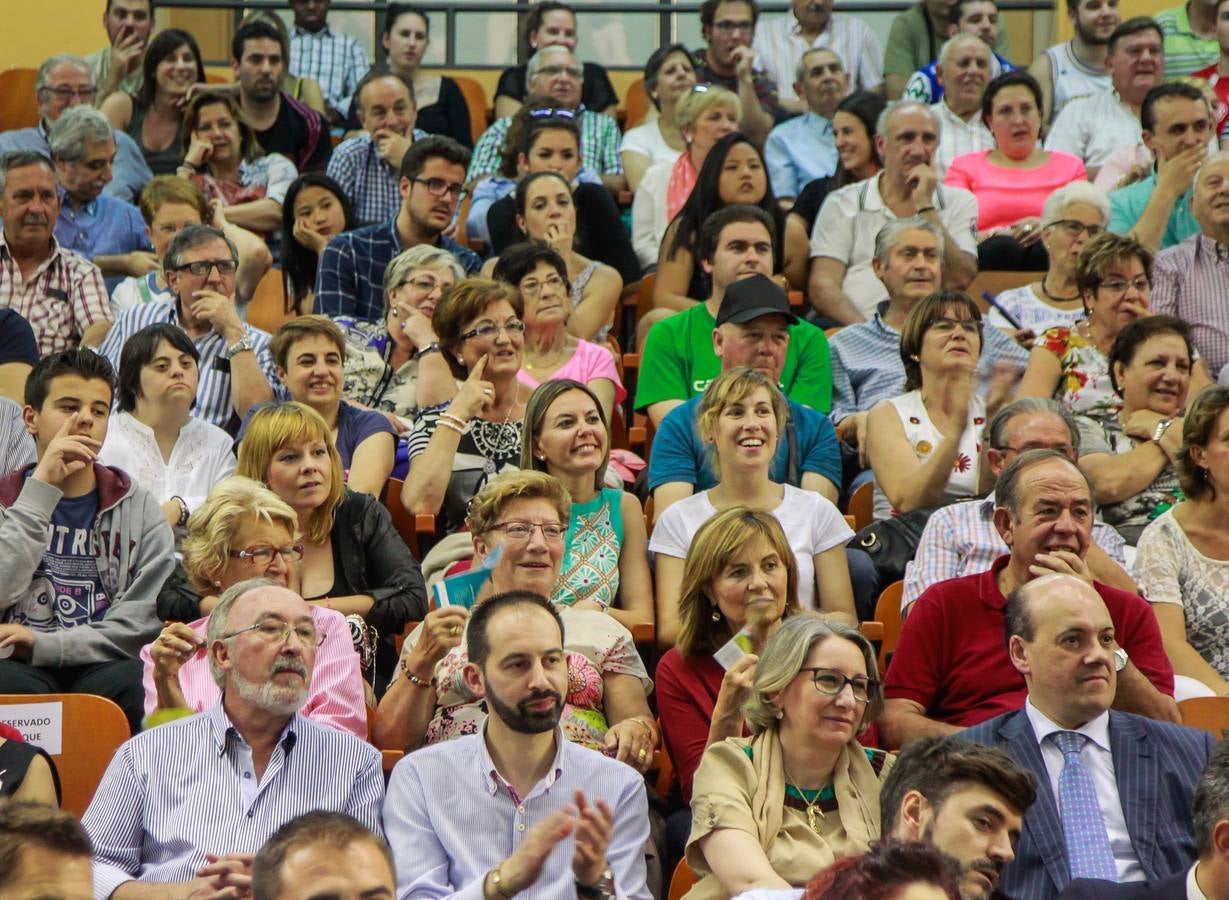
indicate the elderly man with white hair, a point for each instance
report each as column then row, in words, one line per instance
column 964, row 68
column 183, row 808
column 554, row 72
column 803, row 148
column 107, row 231
column 64, row 81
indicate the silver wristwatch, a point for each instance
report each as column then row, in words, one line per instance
column 1159, row 431
column 244, row 343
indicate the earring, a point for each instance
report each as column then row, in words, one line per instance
column 716, row 614
column 780, row 713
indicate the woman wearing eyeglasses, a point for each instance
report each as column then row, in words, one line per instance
column 393, row 365
column 1113, row 276
column 243, row 530
column 154, row 437
column 1072, row 216
column 771, row 810
column 457, row 447
column 925, row 446
column 1013, row 180
column 525, row 515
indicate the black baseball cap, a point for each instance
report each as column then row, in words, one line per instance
column 750, row 298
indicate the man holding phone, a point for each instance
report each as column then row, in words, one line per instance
column 117, row 67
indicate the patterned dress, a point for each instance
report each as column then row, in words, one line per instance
column 370, row 378
column 591, row 563
column 1084, row 388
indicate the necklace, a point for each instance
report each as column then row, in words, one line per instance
column 813, row 809
column 1045, row 290
column 554, row 362
column 496, row 440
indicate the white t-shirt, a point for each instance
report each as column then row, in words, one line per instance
column 1031, row 311
column 1093, row 127
column 646, row 140
column 649, row 221
column 133, row 291
column 810, row 522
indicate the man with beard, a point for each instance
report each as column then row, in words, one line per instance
column 183, row 807
column 964, row 68
column 803, row 148
column 1076, row 68
column 782, row 41
column 517, row 807
column 281, row 123
column 966, row 799
column 350, row 280
column 117, row 67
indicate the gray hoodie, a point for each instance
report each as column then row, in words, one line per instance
column 135, row 555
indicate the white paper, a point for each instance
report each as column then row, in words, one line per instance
column 41, row 724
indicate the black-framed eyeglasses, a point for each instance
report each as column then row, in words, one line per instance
column 68, row 93
column 547, row 112
column 438, row 187
column 519, row 532
column 491, row 330
column 832, row 682
column 264, row 554
column 272, row 632
column 1075, row 228
column 1065, row 449
column 201, row 267
column 534, row 288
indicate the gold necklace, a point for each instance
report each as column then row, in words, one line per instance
column 812, row 805
column 554, row 363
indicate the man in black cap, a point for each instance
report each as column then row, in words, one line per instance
column 746, row 317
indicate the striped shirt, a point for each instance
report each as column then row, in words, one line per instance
column 1185, row 51
column 336, row 61
column 350, row 279
column 958, row 137
column 213, row 395
column 1189, row 281
column 1093, row 127
column 599, row 145
column 451, row 817
column 16, row 445
column 61, row 300
column 779, row 47
column 373, row 186
column 961, row 539
column 182, row 790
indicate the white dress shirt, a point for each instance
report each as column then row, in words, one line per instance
column 958, row 136
column 1098, row 759
column 1093, row 127
column 779, row 46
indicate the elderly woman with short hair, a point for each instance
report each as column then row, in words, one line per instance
column 771, row 810
column 242, row 531
column 668, row 75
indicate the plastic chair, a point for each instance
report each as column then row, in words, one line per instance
column 417, row 530
column 636, row 104
column 862, row 506
column 18, row 105
column 267, row 308
column 996, row 282
column 480, row 115
column 1210, row 714
column 93, row 729
column 664, row 767
column 887, row 612
column 681, row 881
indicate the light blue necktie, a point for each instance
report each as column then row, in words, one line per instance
column 1088, row 844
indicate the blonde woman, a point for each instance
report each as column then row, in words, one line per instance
column 742, row 417
column 242, row 531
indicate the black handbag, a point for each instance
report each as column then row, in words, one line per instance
column 892, row 543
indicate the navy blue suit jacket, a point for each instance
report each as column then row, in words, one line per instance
column 1172, row 888
column 1156, row 765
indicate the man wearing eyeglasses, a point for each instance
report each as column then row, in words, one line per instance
column 1176, row 128
column 184, row 807
column 950, row 669
column 236, row 368
column 350, row 279
column 86, row 549
column 960, row 539
column 64, row 81
column 728, row 60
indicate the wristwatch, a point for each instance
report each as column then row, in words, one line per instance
column 602, row 889
column 244, row 343
column 1159, row 431
column 433, row 347
column 1120, row 659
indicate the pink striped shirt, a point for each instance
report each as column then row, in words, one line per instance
column 1190, row 280
column 336, row 697
column 64, row 296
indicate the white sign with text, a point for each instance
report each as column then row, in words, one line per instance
column 42, row 724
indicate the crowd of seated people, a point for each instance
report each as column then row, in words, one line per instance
column 318, row 438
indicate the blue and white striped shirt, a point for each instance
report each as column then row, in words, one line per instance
column 451, row 817
column 373, row 186
column 335, row 60
column 179, row 791
column 16, row 445
column 213, row 397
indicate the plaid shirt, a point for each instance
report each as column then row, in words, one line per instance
column 213, row 398
column 599, row 145
column 350, row 279
column 765, row 87
column 1189, row 281
column 63, row 298
column 373, row 186
column 336, row 61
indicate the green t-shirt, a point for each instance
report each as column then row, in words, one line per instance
column 1185, row 51
column 914, row 44
column 100, row 66
column 1127, row 205
column 678, row 361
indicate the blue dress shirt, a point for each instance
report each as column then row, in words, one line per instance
column 103, row 227
column 128, row 176
column 798, row 151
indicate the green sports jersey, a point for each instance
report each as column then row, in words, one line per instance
column 678, row 361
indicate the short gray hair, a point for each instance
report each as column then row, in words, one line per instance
column 1218, row 156
column 900, row 106
column 801, row 69
column 193, row 236
column 954, row 42
column 420, row 256
column 1068, row 195
column 44, row 71
column 996, row 431
column 1211, row 797
column 786, row 653
column 20, row 159
column 1008, row 490
column 889, row 235
column 75, row 129
column 535, row 62
column 219, row 620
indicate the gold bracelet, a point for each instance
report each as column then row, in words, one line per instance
column 414, row 679
column 498, row 881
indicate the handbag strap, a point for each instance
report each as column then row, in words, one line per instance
column 791, row 464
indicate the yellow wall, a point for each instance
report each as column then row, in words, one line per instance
column 35, row 29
